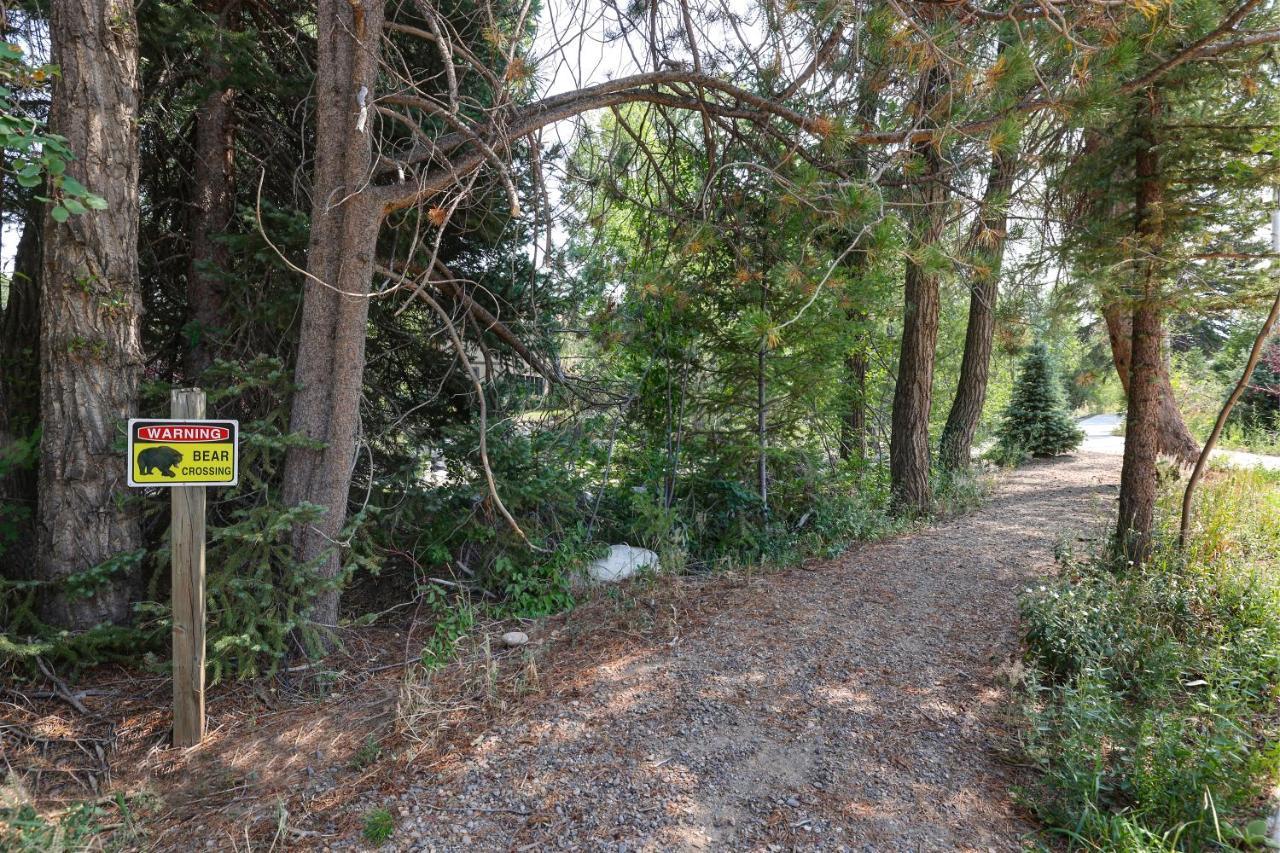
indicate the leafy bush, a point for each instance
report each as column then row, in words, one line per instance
column 453, row 529
column 1151, row 688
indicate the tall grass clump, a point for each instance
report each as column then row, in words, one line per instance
column 1152, row 696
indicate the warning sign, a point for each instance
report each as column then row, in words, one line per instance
column 183, row 453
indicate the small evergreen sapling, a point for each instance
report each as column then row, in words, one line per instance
column 1036, row 421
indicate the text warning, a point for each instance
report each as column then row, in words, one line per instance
column 183, row 453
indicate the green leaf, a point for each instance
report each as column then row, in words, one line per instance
column 71, row 185
column 1255, row 831
column 74, row 206
column 59, row 213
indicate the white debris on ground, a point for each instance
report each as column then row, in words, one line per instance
column 620, row 563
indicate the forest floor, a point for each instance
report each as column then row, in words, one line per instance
column 857, row 703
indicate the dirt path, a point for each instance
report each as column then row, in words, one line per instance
column 1101, row 436
column 850, row 705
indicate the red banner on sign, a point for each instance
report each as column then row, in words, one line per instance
column 179, row 432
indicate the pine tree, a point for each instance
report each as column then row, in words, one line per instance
column 1036, row 421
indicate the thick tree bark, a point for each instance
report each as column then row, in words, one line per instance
column 762, row 430
column 20, row 395
column 1138, row 476
column 214, row 200
column 988, row 240
column 90, row 310
column 853, row 430
column 913, row 394
column 1174, row 439
column 762, row 399
column 345, row 220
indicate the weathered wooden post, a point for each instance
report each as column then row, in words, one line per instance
column 187, row 546
column 185, row 453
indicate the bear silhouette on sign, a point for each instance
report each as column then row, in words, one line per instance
column 160, row 459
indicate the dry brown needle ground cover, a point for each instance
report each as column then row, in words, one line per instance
column 858, row 703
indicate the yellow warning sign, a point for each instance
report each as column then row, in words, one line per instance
column 183, row 453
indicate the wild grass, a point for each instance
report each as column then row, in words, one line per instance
column 1251, row 439
column 480, row 679
column 1151, row 703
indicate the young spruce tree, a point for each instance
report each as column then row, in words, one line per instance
column 1036, row 421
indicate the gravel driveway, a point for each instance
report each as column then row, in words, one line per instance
column 854, row 704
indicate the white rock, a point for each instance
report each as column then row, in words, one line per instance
column 621, row 562
column 512, row 639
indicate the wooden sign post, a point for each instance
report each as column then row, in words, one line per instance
column 185, row 453
column 187, row 535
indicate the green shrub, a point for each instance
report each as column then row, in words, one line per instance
column 1259, row 406
column 1150, row 702
column 454, row 616
column 24, row 830
column 378, row 826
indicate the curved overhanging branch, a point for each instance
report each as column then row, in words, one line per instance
column 744, row 105
column 400, row 195
column 629, row 89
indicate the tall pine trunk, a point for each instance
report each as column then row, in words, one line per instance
column 345, row 220
column 913, row 394
column 1138, row 476
column 90, row 312
column 762, row 430
column 988, row 241
column 1173, row 437
column 853, row 429
column 214, row 198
